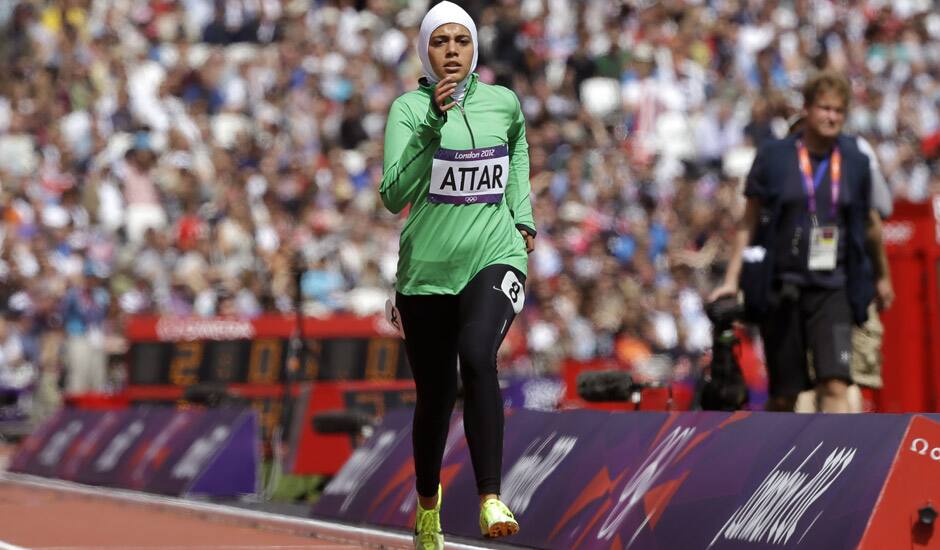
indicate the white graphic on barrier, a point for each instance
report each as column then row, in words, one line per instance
column 52, row 452
column 772, row 514
column 645, row 477
column 540, row 459
column 110, row 457
column 177, row 423
column 199, row 453
column 87, row 445
column 360, row 467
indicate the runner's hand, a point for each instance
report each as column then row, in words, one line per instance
column 442, row 92
column 529, row 241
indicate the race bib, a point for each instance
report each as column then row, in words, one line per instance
column 823, row 246
column 513, row 290
column 469, row 176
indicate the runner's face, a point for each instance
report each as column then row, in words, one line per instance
column 450, row 51
column 826, row 115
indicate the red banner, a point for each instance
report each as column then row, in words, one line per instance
column 911, row 369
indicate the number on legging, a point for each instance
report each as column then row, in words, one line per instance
column 513, row 290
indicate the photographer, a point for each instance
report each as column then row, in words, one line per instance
column 800, row 250
column 867, row 338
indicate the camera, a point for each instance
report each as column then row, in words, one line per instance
column 723, row 313
column 723, row 388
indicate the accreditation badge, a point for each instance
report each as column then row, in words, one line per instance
column 823, row 248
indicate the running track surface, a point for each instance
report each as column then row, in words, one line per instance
column 36, row 518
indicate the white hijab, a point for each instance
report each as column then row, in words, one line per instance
column 442, row 14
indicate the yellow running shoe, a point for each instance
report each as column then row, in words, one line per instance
column 428, row 535
column 496, row 520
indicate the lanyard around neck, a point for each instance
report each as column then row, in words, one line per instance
column 811, row 182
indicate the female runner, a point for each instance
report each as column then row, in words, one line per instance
column 456, row 151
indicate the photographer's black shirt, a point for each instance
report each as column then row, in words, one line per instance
column 776, row 170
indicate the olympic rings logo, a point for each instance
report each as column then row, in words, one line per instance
column 920, row 446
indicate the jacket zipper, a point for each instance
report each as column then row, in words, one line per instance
column 473, row 141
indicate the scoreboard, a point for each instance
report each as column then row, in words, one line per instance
column 261, row 361
column 181, row 352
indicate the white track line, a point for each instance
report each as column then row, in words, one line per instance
column 323, row 530
column 8, row 546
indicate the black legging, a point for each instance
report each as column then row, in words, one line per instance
column 438, row 329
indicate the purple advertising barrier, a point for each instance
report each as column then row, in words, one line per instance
column 745, row 481
column 234, row 468
column 593, row 479
column 56, row 445
column 194, row 451
column 102, row 428
column 561, row 483
column 27, row 451
column 128, row 459
column 218, row 453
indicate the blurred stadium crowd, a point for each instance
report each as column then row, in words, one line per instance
column 161, row 156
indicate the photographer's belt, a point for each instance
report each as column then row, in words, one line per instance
column 823, row 240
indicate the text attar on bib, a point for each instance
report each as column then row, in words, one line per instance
column 469, row 176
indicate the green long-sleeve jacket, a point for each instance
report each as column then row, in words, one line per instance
column 466, row 211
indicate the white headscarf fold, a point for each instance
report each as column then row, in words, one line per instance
column 442, row 14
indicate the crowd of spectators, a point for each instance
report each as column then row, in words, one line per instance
column 179, row 157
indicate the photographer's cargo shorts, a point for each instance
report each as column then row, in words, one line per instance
column 866, row 350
